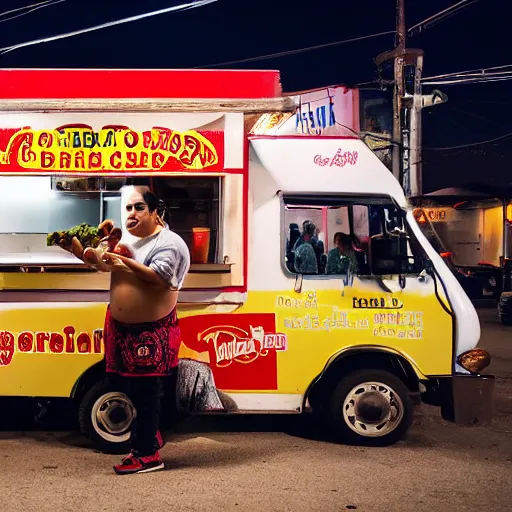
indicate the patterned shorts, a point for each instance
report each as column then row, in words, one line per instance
column 145, row 349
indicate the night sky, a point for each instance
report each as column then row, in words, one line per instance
column 227, row 30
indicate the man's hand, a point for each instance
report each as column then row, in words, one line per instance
column 107, row 226
column 92, row 258
column 114, row 262
column 76, row 248
column 89, row 256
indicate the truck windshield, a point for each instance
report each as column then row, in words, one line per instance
column 427, row 228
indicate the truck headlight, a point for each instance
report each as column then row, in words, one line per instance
column 474, row 360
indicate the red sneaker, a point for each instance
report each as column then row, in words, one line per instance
column 160, row 443
column 131, row 464
column 160, row 440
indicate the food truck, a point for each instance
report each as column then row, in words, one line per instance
column 311, row 290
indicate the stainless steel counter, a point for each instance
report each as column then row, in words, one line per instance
column 43, row 258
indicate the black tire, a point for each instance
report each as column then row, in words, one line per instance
column 348, row 428
column 103, row 396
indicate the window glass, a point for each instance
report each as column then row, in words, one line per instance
column 361, row 223
column 192, row 203
column 66, row 211
column 112, row 208
column 30, row 206
column 342, row 255
column 304, row 252
column 320, row 241
column 337, row 222
column 391, row 243
column 24, row 204
column 348, row 239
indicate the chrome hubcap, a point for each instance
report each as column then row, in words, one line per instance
column 112, row 416
column 372, row 409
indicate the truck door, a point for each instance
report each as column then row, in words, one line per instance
column 373, row 290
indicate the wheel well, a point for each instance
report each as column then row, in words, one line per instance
column 90, row 377
column 361, row 360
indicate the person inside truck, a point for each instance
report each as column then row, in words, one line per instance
column 310, row 234
column 319, row 248
column 305, row 257
column 342, row 258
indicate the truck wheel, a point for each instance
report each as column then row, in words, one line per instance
column 105, row 417
column 369, row 407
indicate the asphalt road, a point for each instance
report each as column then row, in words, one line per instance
column 275, row 464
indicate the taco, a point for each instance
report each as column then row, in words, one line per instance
column 80, row 237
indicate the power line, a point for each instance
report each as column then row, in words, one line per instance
column 293, row 52
column 24, row 8
column 470, row 81
column 40, row 6
column 483, row 75
column 182, row 7
column 471, row 145
column 442, row 15
column 482, row 71
column 464, row 77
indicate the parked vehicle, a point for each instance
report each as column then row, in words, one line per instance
column 358, row 334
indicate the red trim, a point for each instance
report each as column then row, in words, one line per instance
column 246, row 214
column 138, row 83
column 302, row 137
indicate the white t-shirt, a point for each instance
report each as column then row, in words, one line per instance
column 166, row 253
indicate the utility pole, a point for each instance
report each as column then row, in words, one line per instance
column 407, row 104
column 414, row 110
column 398, row 92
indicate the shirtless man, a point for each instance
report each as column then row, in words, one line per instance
column 141, row 332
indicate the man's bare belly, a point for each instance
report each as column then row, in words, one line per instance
column 133, row 301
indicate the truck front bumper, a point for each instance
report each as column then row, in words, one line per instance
column 464, row 399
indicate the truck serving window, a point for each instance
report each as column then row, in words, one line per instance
column 34, row 206
column 343, row 235
column 206, row 211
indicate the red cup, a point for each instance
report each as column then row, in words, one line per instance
column 200, row 245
